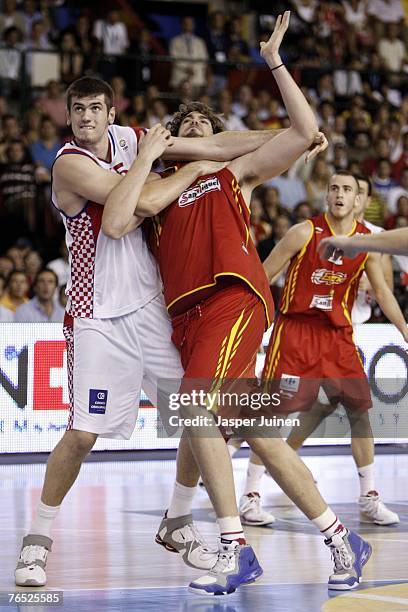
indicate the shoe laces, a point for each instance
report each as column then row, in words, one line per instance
column 251, row 502
column 223, row 562
column 33, row 553
column 196, row 535
column 341, row 558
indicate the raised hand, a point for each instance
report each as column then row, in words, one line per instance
column 319, row 145
column 270, row 49
column 155, row 142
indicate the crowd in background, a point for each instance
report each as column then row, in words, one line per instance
column 350, row 58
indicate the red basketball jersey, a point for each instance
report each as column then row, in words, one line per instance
column 322, row 289
column 203, row 237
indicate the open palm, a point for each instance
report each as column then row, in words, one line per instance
column 271, row 47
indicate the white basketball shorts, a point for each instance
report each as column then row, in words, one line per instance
column 110, row 360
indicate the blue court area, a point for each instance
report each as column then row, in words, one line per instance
column 262, row 598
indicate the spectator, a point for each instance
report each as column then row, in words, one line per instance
column 230, row 120
column 271, row 202
column 402, row 162
column 18, row 190
column 60, row 265
column 357, row 31
column 401, row 211
column 302, row 212
column 260, row 229
column 31, row 15
column 392, row 50
column 396, row 192
column 113, row 37
column 140, row 69
column 137, row 111
column 42, row 308
column 6, row 266
column 381, row 151
column 384, row 12
column 158, row 113
column 306, row 10
column 15, row 293
column 33, row 263
column 32, row 123
column 62, row 296
column 16, row 254
column 11, row 129
column 53, row 104
column 238, row 50
column 44, row 150
column 291, row 190
column 242, row 105
column 316, row 186
column 11, row 17
column 188, row 46
column 71, row 58
column 10, row 62
column 382, row 180
column 87, row 43
column 217, row 46
column 121, row 102
column 361, row 149
column 340, row 158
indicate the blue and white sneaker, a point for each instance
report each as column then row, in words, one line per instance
column 236, row 565
column 350, row 553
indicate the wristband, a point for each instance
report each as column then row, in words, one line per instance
column 276, row 67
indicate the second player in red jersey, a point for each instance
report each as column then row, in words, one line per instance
column 312, row 342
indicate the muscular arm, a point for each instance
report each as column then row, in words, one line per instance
column 275, row 156
column 383, row 294
column 219, row 147
column 394, row 242
column 288, row 247
column 155, row 196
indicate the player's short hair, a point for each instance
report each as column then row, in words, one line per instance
column 90, row 86
column 344, row 173
column 365, row 179
column 185, row 109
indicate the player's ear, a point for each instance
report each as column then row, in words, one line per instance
column 111, row 115
column 68, row 117
column 357, row 202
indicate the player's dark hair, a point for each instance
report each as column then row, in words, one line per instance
column 345, row 173
column 90, row 86
column 362, row 178
column 185, row 109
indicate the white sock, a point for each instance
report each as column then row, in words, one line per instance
column 366, row 478
column 44, row 519
column 181, row 500
column 328, row 524
column 231, row 529
column 253, row 479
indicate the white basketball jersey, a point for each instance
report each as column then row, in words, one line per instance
column 108, row 278
column 361, row 310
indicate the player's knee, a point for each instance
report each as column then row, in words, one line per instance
column 81, row 442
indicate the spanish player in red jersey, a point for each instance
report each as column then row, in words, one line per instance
column 219, row 301
column 312, row 342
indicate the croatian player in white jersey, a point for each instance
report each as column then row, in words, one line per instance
column 117, row 329
column 372, row 509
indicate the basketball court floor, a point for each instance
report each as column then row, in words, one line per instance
column 104, row 556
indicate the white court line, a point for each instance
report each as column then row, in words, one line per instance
column 389, row 599
column 396, row 581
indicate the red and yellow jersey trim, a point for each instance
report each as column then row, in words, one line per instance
column 216, row 276
column 290, row 284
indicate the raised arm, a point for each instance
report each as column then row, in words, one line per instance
column 229, row 145
column 276, row 155
column 384, row 295
column 293, row 242
column 394, row 242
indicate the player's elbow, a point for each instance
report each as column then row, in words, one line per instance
column 149, row 206
column 112, row 229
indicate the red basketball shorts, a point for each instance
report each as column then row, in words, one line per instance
column 303, row 356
